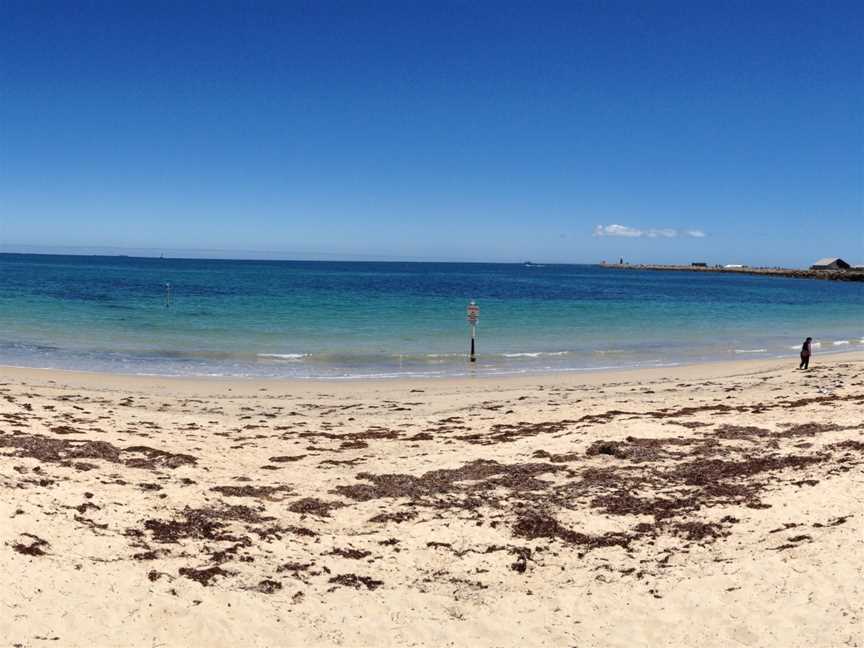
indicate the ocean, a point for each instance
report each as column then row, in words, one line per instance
column 342, row 320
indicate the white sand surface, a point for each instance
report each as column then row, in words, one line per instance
column 711, row 505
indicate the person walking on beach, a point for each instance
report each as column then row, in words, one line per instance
column 805, row 354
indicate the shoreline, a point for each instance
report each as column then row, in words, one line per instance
column 243, row 385
column 486, row 368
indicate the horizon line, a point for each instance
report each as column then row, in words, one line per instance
column 253, row 255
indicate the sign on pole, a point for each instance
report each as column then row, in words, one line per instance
column 473, row 318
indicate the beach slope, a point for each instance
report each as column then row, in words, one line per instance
column 714, row 505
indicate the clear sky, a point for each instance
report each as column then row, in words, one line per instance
column 488, row 131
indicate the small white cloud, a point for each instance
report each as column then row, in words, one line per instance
column 654, row 232
column 616, row 230
column 661, row 233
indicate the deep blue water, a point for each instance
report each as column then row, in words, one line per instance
column 350, row 319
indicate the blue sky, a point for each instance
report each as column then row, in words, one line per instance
column 437, row 130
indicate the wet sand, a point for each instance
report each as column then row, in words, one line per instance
column 713, row 505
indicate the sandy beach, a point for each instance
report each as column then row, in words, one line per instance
column 710, row 505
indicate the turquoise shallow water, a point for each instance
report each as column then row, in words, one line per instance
column 347, row 319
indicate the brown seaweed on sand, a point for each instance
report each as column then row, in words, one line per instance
column 203, row 576
column 539, row 524
column 352, row 554
column 201, row 524
column 34, row 548
column 314, row 506
column 154, row 458
column 268, row 586
column 357, row 582
column 507, row 433
column 262, row 492
column 696, row 530
column 622, row 503
column 702, row 472
column 53, row 450
column 396, row 516
column 489, row 474
column 637, row 449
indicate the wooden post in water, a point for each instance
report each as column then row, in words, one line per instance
column 473, row 317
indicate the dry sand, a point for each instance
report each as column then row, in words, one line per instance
column 714, row 505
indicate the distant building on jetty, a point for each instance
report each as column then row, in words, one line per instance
column 833, row 269
column 831, row 263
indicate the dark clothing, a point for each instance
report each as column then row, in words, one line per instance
column 805, row 355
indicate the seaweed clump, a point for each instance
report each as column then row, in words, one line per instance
column 539, row 524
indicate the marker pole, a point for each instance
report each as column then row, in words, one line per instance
column 473, row 317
